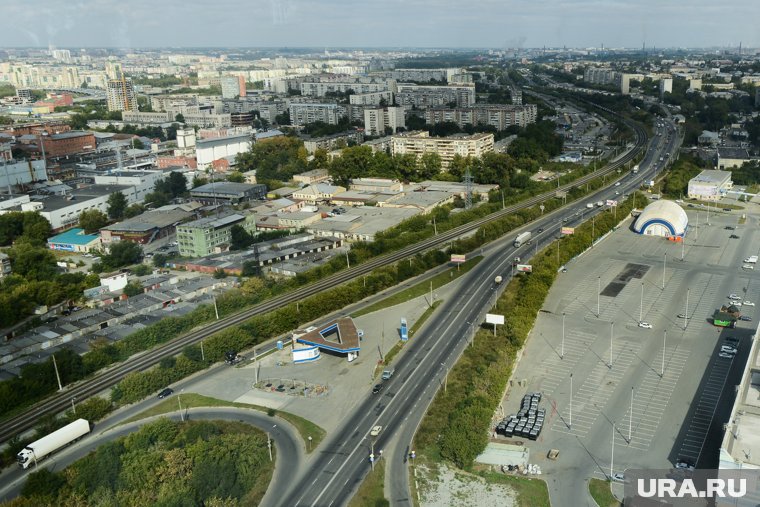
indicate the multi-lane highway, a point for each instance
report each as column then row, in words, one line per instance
column 60, row 401
column 343, row 460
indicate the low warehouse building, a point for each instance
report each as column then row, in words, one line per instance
column 710, row 185
column 662, row 218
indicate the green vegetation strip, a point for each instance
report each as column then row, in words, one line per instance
column 213, row 463
column 600, row 492
column 421, row 288
column 370, row 492
column 305, row 427
column 530, row 492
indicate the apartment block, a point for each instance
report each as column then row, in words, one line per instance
column 331, row 142
column 371, row 99
column 498, row 116
column 303, row 113
column 146, row 117
column 600, row 75
column 423, row 96
column 211, row 234
column 376, row 120
column 420, row 142
column 232, row 87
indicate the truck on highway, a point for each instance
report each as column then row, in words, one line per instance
column 48, row 444
column 522, row 238
column 752, row 259
column 636, row 169
column 497, row 280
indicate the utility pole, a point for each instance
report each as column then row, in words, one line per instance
column 570, row 420
column 431, row 293
column 664, row 341
column 269, row 447
column 57, row 375
column 562, row 352
column 598, row 295
column 203, row 355
column 612, row 328
column 641, row 308
column 664, row 265
column 435, row 229
column 686, row 310
column 181, row 415
column 216, row 309
column 612, row 455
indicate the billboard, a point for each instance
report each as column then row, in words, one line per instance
column 458, row 258
column 567, row 230
column 611, row 202
column 492, row 318
column 525, row 268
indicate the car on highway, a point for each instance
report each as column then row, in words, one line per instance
column 617, row 184
column 645, row 325
column 540, row 230
column 748, row 303
column 726, row 209
column 166, row 392
column 726, row 355
column 745, row 318
column 387, row 374
column 377, row 388
column 683, row 316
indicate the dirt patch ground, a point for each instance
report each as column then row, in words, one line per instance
column 445, row 487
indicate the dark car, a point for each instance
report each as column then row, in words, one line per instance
column 726, row 209
column 745, row 318
column 729, row 228
column 166, row 392
column 539, row 231
column 377, row 388
column 733, row 236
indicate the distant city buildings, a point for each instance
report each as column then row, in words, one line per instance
column 233, row 87
column 423, row 96
column 383, row 120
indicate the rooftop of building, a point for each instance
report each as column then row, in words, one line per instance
column 225, row 187
column 69, row 135
column 712, row 176
column 214, row 222
column 740, row 153
column 154, row 219
column 74, row 237
column 56, row 202
column 218, row 141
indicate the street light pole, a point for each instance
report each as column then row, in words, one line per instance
column 630, row 419
column 612, row 327
column 57, row 375
column 612, row 455
column 570, row 420
column 686, row 310
column 598, row 295
column 664, row 266
column 641, row 307
column 664, row 342
column 683, row 245
column 73, row 407
column 562, row 352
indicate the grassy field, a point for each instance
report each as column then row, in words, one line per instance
column 600, row 491
column 370, row 492
column 530, row 492
column 421, row 288
column 305, row 427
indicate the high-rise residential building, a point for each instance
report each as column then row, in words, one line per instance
column 666, row 86
column 420, row 142
column 302, row 113
column 113, row 70
column 599, row 75
column 120, row 95
column 233, row 87
column 63, row 55
column 376, row 120
column 625, row 84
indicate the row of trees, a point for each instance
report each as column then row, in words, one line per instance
column 196, row 463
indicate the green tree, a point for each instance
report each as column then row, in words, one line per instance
column 239, row 238
column 199, row 181
column 133, row 210
column 92, row 220
column 133, row 289
column 179, row 118
column 158, row 199
column 117, row 205
column 122, row 253
column 32, row 262
column 236, row 177
column 159, row 260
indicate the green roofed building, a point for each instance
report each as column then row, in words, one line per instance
column 211, row 234
column 74, row 240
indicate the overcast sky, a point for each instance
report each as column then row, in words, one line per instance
column 385, row 23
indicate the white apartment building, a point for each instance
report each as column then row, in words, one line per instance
column 371, row 99
column 204, row 120
column 376, row 120
column 500, row 116
column 420, row 142
column 232, row 86
column 303, row 113
column 320, row 89
column 431, row 96
column 145, row 117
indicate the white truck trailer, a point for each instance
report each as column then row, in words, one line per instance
column 48, row 444
column 521, row 239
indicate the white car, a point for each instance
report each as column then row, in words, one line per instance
column 734, row 296
column 617, row 476
column 748, row 303
column 645, row 325
column 617, row 184
column 748, row 266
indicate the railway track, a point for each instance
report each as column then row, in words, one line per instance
column 108, row 378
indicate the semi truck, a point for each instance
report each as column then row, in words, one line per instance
column 522, row 238
column 636, row 169
column 498, row 279
column 48, row 444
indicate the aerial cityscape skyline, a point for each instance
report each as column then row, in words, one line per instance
column 416, row 23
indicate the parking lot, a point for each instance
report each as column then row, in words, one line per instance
column 664, row 389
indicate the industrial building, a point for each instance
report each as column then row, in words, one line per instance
column 149, row 226
column 710, row 185
column 662, row 218
column 208, row 150
column 732, row 157
column 211, row 234
column 225, row 192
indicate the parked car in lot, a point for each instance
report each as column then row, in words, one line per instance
column 732, row 340
column 166, row 392
column 729, row 227
column 733, row 236
column 726, row 355
column 748, row 303
column 683, row 316
column 619, row 477
column 645, row 325
column 734, row 296
column 685, row 464
column 728, row 349
column 748, row 266
column 745, row 318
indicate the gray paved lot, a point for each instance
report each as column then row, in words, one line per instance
column 663, row 388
